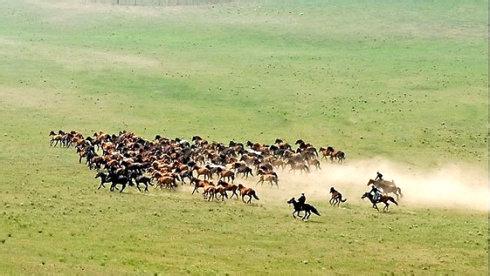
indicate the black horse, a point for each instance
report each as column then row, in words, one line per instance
column 104, row 178
column 298, row 207
column 119, row 179
column 141, row 179
column 245, row 171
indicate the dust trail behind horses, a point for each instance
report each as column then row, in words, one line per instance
column 451, row 186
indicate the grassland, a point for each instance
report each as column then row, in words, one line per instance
column 406, row 81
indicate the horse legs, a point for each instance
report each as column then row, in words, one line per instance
column 375, row 207
column 249, row 199
column 123, row 186
column 305, row 217
column 386, row 206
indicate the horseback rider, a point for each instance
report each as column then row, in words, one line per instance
column 379, row 176
column 302, row 200
column 375, row 192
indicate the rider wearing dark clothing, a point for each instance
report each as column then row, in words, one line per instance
column 376, row 193
column 302, row 199
column 379, row 176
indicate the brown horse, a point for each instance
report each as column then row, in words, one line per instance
column 333, row 154
column 198, row 183
column 55, row 138
column 301, row 166
column 244, row 191
column 269, row 177
column 387, row 187
column 167, row 182
column 220, row 191
column 209, row 192
column 336, row 197
column 384, row 199
column 228, row 175
column 314, row 162
column 203, row 171
column 229, row 187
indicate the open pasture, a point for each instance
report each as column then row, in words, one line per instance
column 393, row 80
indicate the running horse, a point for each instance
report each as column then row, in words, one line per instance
column 382, row 199
column 298, row 207
column 387, row 187
column 336, row 197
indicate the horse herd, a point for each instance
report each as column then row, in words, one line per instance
column 126, row 159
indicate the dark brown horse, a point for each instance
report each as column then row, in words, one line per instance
column 336, row 197
column 382, row 199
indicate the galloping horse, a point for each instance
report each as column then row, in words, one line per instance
column 229, row 187
column 269, row 177
column 384, row 199
column 104, row 178
column 387, row 187
column 336, row 197
column 298, row 207
column 244, row 191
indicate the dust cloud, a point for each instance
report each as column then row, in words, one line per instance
column 450, row 186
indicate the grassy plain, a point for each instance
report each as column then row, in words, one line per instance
column 404, row 80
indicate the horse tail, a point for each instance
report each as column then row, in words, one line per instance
column 314, row 211
column 343, row 200
column 399, row 191
column 255, row 196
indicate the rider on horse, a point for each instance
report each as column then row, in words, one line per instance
column 379, row 176
column 302, row 200
column 375, row 192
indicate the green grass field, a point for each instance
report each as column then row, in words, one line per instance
column 401, row 80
